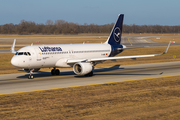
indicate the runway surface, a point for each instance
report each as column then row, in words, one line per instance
column 43, row 80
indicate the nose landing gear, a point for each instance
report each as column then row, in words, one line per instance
column 30, row 75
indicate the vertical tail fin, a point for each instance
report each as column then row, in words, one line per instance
column 115, row 36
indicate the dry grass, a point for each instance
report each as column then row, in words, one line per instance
column 58, row 35
column 29, row 42
column 146, row 99
column 8, row 48
column 85, row 34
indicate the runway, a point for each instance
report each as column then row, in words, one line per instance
column 12, row 83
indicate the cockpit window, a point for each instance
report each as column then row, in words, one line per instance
column 28, row 53
column 23, row 53
column 20, row 53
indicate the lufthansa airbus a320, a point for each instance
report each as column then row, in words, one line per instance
column 81, row 57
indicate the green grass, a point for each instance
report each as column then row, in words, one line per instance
column 150, row 99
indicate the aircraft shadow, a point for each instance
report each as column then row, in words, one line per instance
column 63, row 73
column 125, row 74
column 96, row 72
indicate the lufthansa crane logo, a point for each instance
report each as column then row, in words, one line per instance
column 117, row 34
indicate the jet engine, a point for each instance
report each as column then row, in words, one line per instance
column 34, row 70
column 82, row 68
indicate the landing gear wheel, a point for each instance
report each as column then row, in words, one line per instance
column 30, row 77
column 89, row 74
column 30, row 74
column 55, row 71
column 52, row 72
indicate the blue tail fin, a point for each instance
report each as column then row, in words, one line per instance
column 115, row 36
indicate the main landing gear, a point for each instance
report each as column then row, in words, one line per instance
column 55, row 71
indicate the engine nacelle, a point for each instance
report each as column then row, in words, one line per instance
column 34, row 70
column 82, row 68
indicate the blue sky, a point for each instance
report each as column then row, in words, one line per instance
column 139, row 12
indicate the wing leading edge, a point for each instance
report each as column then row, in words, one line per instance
column 115, row 58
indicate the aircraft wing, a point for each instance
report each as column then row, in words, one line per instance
column 108, row 58
column 115, row 58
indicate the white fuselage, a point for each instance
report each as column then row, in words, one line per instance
column 44, row 56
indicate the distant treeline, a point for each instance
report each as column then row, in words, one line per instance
column 63, row 27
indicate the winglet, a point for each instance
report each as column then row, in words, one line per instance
column 13, row 46
column 167, row 48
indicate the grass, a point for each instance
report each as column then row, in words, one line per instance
column 29, row 42
column 55, row 35
column 151, row 99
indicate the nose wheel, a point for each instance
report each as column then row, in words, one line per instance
column 55, row 71
column 30, row 75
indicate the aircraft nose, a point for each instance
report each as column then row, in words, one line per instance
column 14, row 62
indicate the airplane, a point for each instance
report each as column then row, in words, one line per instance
column 81, row 57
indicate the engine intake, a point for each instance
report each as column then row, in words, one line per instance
column 82, row 68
